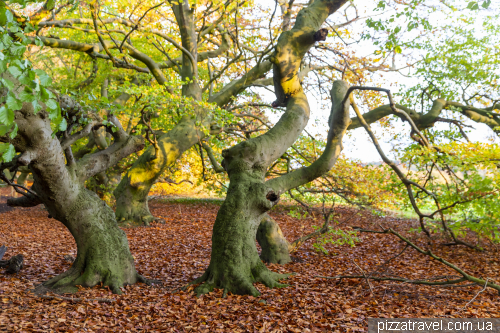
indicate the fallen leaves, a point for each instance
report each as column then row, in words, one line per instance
column 179, row 251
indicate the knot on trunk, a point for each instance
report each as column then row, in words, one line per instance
column 273, row 197
column 320, row 35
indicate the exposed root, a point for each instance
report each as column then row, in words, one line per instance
column 137, row 221
column 68, row 281
column 237, row 283
column 41, row 291
column 149, row 282
column 77, row 299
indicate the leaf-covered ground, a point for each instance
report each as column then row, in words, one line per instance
column 178, row 251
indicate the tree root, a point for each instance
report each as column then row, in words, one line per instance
column 149, row 282
column 68, row 281
column 77, row 299
column 137, row 221
column 237, row 284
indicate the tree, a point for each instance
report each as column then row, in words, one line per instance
column 40, row 130
column 235, row 264
column 252, row 163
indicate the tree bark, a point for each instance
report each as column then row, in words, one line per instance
column 275, row 247
column 103, row 254
column 132, row 192
column 235, row 264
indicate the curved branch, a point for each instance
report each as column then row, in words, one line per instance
column 339, row 120
column 232, row 89
column 210, row 153
column 92, row 76
column 27, row 200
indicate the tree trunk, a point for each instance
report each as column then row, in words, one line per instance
column 275, row 247
column 235, row 264
column 132, row 192
column 103, row 253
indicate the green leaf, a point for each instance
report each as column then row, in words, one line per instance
column 4, row 129
column 9, row 16
column 9, row 154
column 473, row 5
column 3, row 147
column 397, row 49
column 44, row 94
column 26, row 96
column 13, row 134
column 45, row 80
column 18, row 49
column 7, row 40
column 486, row 4
column 15, row 71
column 50, row 4
column 13, row 103
column 63, row 125
column 55, row 115
column 38, row 42
column 6, row 116
column 3, row 16
column 51, row 104
column 36, row 106
column 7, row 83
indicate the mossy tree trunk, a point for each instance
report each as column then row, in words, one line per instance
column 132, row 192
column 103, row 252
column 235, row 264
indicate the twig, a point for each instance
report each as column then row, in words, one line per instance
column 389, row 278
column 364, row 275
column 16, row 186
column 480, row 291
column 77, row 299
column 466, row 277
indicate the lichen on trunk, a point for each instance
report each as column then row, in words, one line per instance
column 132, row 192
column 103, row 253
column 235, row 264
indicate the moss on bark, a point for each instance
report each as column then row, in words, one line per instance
column 103, row 254
column 235, row 264
column 132, row 192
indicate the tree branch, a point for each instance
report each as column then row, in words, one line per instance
column 338, row 122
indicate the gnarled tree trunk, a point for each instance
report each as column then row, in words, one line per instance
column 132, row 192
column 234, row 263
column 103, row 252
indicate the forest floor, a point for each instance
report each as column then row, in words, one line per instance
column 179, row 251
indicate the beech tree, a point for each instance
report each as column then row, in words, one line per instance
column 108, row 38
column 38, row 128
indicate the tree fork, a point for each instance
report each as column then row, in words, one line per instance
column 235, row 264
